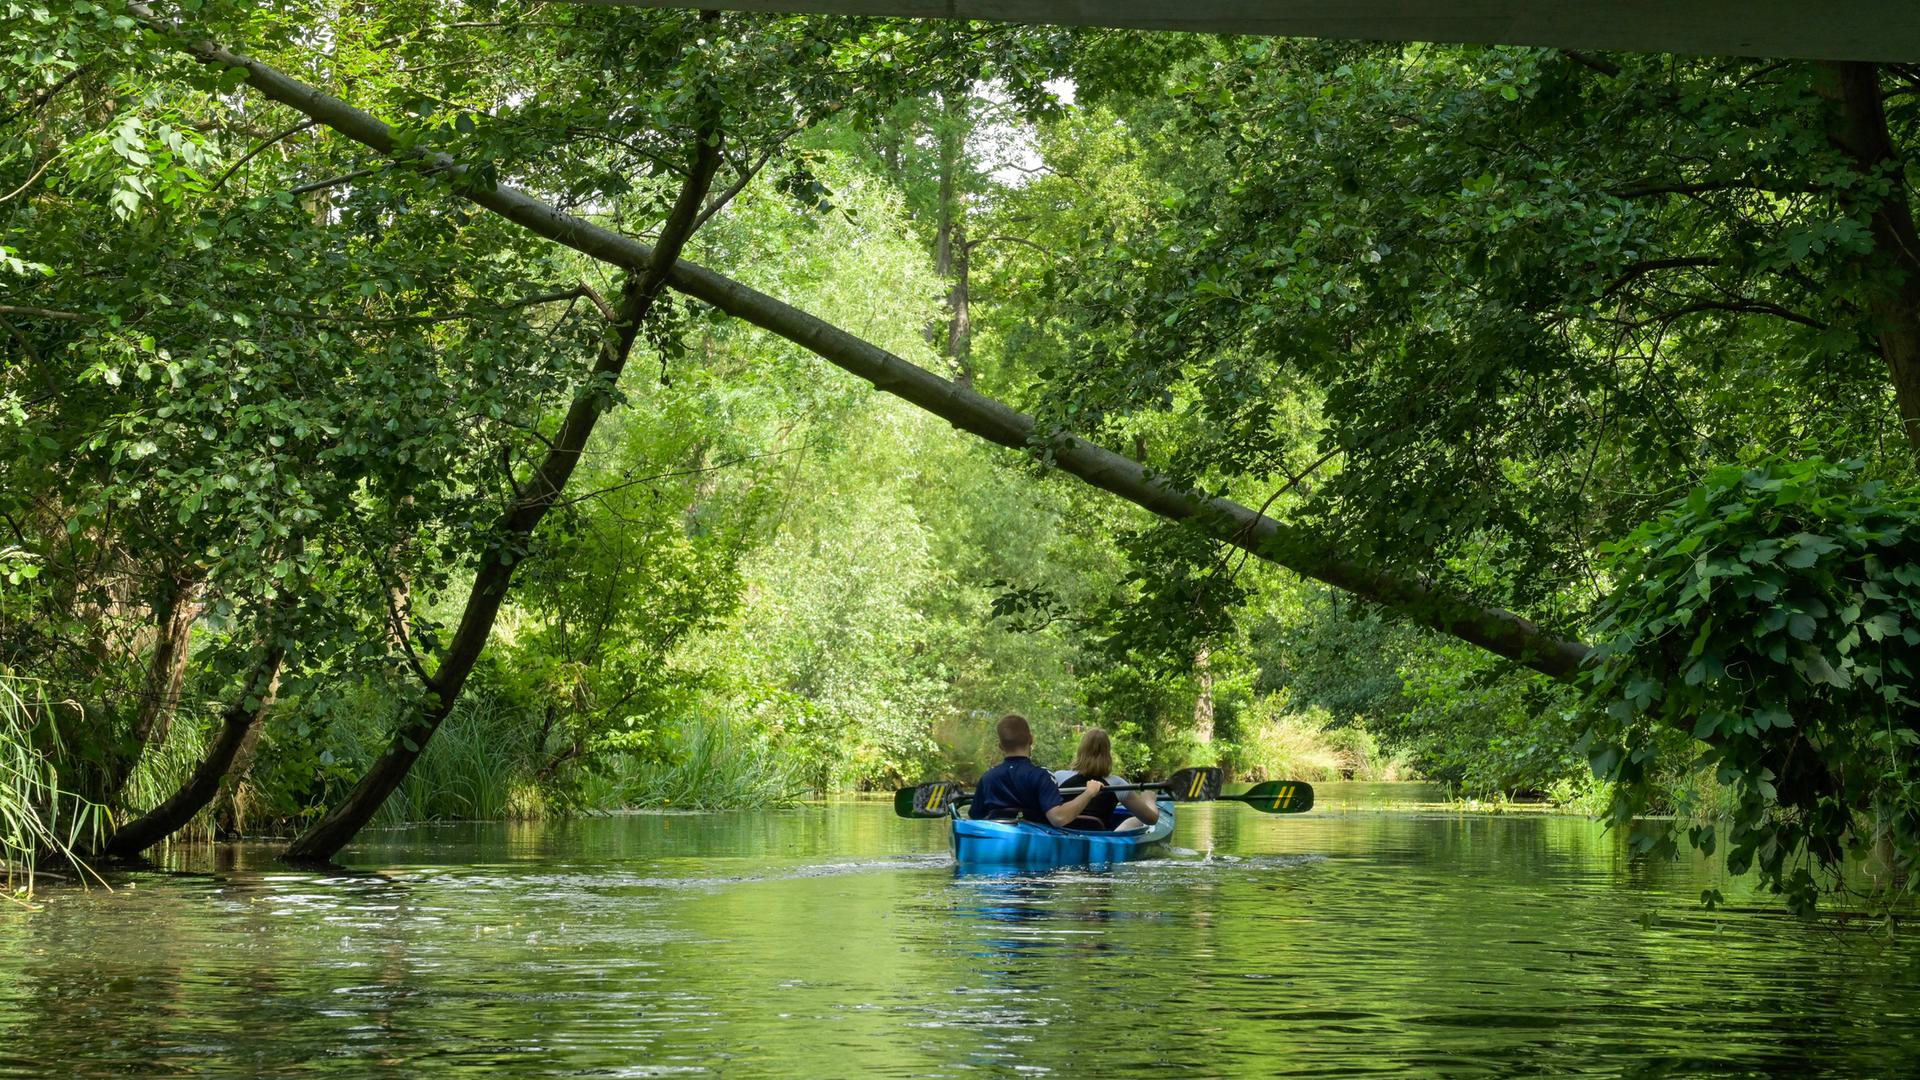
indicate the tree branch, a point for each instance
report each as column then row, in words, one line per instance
column 507, row 541
column 637, row 480
column 475, row 24
column 1021, row 240
column 35, row 175
column 334, row 181
column 1648, row 266
column 1498, row 631
column 45, row 313
column 1641, row 189
column 1736, row 307
column 44, row 95
column 747, row 174
column 1585, row 59
column 258, row 150
column 574, row 293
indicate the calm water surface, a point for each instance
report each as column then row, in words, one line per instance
column 1373, row 936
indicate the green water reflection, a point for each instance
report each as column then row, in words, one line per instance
column 1377, row 935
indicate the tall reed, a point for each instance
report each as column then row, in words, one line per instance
column 713, row 766
column 38, row 817
column 477, row 768
column 164, row 769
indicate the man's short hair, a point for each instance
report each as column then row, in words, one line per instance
column 1014, row 733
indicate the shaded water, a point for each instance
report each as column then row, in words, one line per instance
column 1369, row 937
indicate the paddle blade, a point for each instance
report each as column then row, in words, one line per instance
column 1194, row 785
column 1279, row 797
column 928, row 800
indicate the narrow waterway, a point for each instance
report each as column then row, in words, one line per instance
column 1376, row 935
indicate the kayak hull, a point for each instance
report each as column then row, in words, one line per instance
column 1028, row 845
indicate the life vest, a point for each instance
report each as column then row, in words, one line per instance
column 1101, row 806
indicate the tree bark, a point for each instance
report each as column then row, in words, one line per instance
column 951, row 250
column 943, row 214
column 960, row 306
column 1203, row 701
column 226, row 815
column 515, row 527
column 173, row 617
column 167, row 668
column 1496, row 630
column 1893, row 279
column 238, row 727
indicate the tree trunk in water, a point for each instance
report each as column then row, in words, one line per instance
column 516, row 526
column 1893, row 280
column 1498, row 631
column 1203, row 701
column 238, row 725
column 227, row 817
column 173, row 619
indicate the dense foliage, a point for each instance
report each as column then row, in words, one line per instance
column 1773, row 614
column 326, row 490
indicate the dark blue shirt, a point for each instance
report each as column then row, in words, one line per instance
column 1016, row 784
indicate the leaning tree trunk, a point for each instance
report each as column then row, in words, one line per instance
column 515, row 527
column 239, row 725
column 173, row 618
column 1893, row 277
column 1496, row 630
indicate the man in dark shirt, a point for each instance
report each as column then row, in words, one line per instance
column 1017, row 784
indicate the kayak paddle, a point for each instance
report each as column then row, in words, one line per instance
column 936, row 800
column 1203, row 785
column 930, row 800
column 1276, row 797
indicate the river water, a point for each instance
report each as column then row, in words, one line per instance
column 1377, row 935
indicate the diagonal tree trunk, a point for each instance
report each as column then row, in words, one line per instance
column 232, row 743
column 1494, row 629
column 516, row 526
column 238, row 727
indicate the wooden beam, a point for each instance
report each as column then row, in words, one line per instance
column 1886, row 30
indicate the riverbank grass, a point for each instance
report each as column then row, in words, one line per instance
column 39, row 818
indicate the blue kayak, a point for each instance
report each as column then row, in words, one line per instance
column 1033, row 846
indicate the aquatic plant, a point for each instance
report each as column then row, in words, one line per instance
column 37, row 816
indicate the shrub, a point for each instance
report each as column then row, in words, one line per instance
column 1764, row 630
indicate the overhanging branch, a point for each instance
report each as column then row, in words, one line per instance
column 1501, row 632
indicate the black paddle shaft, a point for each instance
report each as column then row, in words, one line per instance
column 938, row 799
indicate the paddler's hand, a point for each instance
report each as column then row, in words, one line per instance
column 1093, row 788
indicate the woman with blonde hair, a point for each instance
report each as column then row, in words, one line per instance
column 1093, row 760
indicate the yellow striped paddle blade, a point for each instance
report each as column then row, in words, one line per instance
column 1278, row 797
